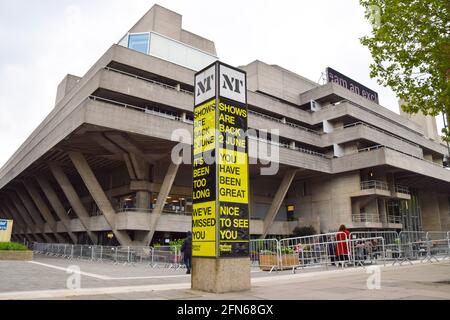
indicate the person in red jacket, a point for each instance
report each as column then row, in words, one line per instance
column 342, row 238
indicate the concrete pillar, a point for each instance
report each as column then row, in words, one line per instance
column 4, row 214
column 429, row 207
column 161, row 200
column 34, row 213
column 278, row 200
column 382, row 210
column 18, row 228
column 56, row 205
column 327, row 126
column 16, row 206
column 141, row 170
column 16, row 217
column 44, row 210
column 99, row 196
column 213, row 275
column 292, row 145
column 73, row 198
column 338, row 150
column 143, row 199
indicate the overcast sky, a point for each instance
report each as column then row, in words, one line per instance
column 42, row 41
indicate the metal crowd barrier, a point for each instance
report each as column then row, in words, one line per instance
column 265, row 254
column 322, row 250
column 163, row 256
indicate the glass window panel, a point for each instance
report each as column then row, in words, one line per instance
column 139, row 42
column 179, row 53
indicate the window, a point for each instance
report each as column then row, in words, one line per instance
column 139, row 42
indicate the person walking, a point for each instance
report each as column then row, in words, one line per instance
column 342, row 238
column 186, row 249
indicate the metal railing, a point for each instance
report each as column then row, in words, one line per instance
column 149, row 210
column 394, row 219
column 356, row 124
column 321, row 250
column 286, row 146
column 177, row 118
column 401, row 189
column 164, row 85
column 396, row 150
column 149, row 109
column 359, row 249
column 374, row 184
column 381, row 185
column 158, row 256
column 294, row 125
column 366, row 217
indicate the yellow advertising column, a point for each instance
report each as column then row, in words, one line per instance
column 220, row 218
column 5, row 230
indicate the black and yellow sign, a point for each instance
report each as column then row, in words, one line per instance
column 220, row 219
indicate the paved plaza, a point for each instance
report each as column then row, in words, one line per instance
column 46, row 278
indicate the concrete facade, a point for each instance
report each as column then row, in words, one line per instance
column 98, row 169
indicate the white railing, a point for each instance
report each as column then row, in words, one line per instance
column 401, row 189
column 148, row 210
column 394, row 219
column 396, row 150
column 381, row 185
column 294, row 125
column 157, row 256
column 366, row 217
column 164, row 85
column 374, row 184
column 323, row 250
column 380, row 130
column 286, row 146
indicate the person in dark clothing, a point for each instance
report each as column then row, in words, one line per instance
column 186, row 248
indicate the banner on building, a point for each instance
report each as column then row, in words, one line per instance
column 350, row 84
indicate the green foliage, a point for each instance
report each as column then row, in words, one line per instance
column 286, row 250
column 176, row 243
column 410, row 46
column 12, row 246
column 304, row 231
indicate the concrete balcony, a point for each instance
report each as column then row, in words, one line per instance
column 400, row 192
column 374, row 187
column 382, row 189
column 373, row 220
column 366, row 220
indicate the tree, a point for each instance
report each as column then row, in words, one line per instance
column 410, row 46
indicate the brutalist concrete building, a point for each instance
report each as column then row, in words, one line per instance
column 98, row 169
